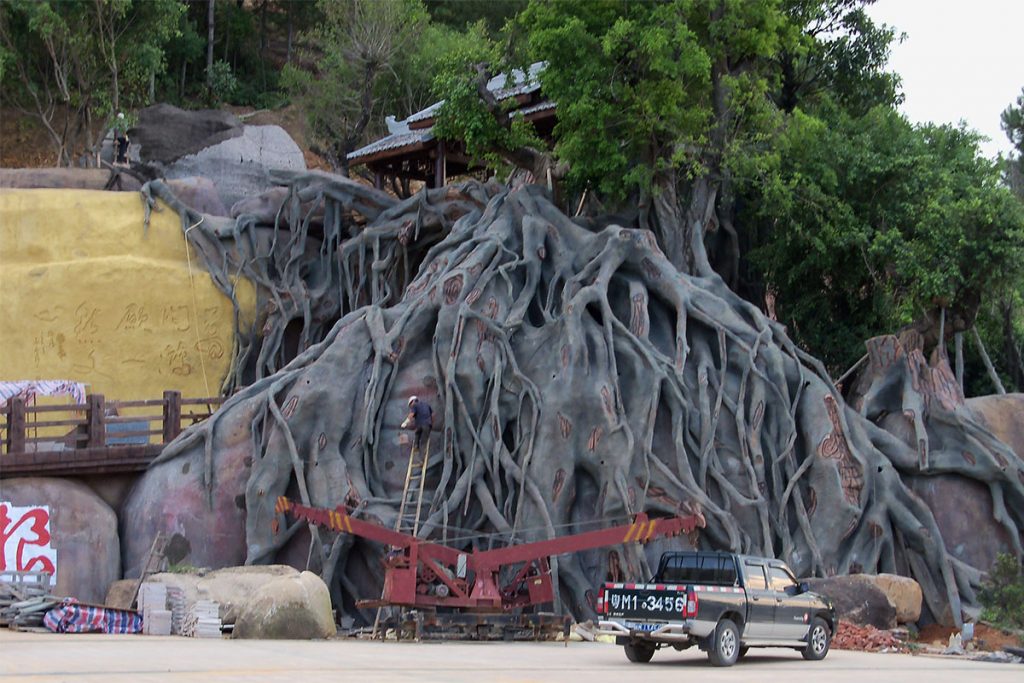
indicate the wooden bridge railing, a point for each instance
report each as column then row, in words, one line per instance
column 99, row 423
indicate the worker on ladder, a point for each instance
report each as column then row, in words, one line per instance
column 421, row 421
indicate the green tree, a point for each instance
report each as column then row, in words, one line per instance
column 351, row 58
column 835, row 50
column 74, row 65
column 869, row 224
column 1012, row 120
column 657, row 99
column 465, row 13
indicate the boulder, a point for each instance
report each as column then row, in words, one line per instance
column 172, row 497
column 241, row 164
column 165, row 133
column 82, row 533
column 293, row 607
column 231, row 587
column 1001, row 413
column 964, row 514
column 903, row 592
column 199, row 194
column 857, row 600
column 121, row 594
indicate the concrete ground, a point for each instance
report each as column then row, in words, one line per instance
column 38, row 657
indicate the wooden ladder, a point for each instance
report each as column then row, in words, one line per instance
column 408, row 522
column 154, row 563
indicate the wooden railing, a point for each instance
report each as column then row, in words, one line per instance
column 99, row 423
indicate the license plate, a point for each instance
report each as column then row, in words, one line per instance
column 637, row 626
column 645, row 604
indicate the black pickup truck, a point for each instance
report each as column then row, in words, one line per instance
column 721, row 602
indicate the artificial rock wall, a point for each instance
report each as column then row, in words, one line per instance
column 88, row 294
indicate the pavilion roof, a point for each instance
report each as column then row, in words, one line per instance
column 418, row 129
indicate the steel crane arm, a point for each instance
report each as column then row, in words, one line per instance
column 641, row 530
column 339, row 520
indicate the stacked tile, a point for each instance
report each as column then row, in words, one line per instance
column 203, row 620
column 152, row 595
column 156, row 622
column 176, row 601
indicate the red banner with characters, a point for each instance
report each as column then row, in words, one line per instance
column 25, row 540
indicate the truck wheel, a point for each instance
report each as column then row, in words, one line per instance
column 724, row 647
column 639, row 652
column 818, row 640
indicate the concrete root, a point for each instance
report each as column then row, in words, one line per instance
column 577, row 378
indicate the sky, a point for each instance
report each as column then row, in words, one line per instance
column 960, row 60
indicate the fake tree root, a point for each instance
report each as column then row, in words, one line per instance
column 577, row 378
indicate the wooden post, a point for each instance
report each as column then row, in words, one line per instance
column 96, row 421
column 439, row 165
column 378, row 177
column 16, row 425
column 172, row 415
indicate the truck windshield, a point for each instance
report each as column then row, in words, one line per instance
column 702, row 569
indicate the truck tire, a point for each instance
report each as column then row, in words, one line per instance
column 819, row 638
column 724, row 646
column 639, row 652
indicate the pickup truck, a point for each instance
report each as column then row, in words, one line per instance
column 721, row 602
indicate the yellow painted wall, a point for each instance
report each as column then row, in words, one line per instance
column 85, row 295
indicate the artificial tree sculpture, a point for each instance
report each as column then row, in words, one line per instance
column 577, row 377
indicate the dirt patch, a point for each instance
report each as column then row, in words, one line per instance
column 24, row 142
column 936, row 634
column 993, row 639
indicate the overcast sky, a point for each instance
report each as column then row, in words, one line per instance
column 962, row 59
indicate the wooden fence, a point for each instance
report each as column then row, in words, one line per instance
column 99, row 423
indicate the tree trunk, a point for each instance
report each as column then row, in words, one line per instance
column 291, row 29
column 209, row 41
column 1011, row 347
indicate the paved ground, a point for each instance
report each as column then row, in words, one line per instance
column 31, row 657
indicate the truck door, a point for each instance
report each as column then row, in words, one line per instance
column 760, row 601
column 791, row 613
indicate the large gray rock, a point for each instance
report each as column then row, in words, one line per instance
column 857, row 600
column 240, row 165
column 165, row 133
column 294, row 607
column 199, row 194
column 965, row 516
column 83, row 531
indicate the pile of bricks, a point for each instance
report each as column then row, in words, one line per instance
column 865, row 639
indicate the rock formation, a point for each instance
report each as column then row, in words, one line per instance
column 577, row 378
column 83, row 531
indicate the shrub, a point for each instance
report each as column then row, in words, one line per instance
column 1002, row 593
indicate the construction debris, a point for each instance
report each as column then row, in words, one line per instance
column 203, row 620
column 177, row 604
column 24, row 599
column 866, row 639
column 156, row 622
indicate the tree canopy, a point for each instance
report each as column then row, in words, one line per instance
column 869, row 223
column 758, row 139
